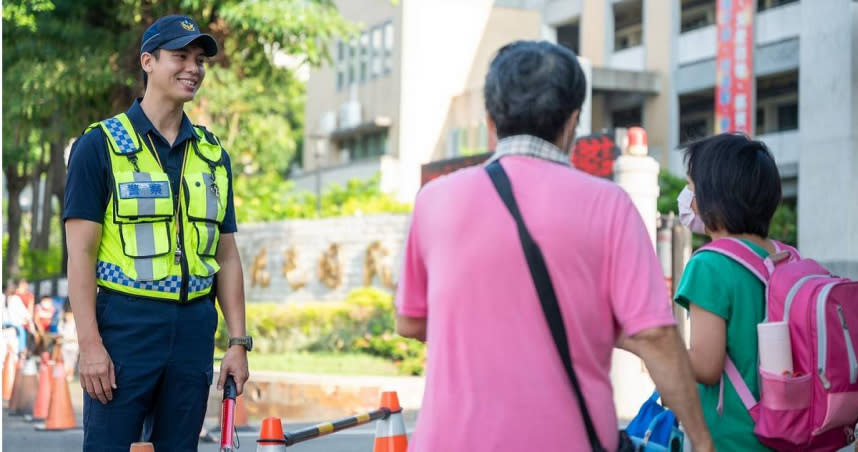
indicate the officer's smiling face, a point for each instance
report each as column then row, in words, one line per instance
column 178, row 74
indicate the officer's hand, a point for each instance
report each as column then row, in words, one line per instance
column 234, row 363
column 97, row 376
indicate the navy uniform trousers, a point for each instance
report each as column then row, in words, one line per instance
column 163, row 357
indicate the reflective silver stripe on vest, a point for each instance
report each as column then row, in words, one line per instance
column 144, row 235
column 211, row 230
column 145, row 206
column 209, row 268
column 212, row 197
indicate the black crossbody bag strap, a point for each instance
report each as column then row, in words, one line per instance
column 545, row 289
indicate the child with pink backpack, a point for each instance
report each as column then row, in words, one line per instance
column 801, row 394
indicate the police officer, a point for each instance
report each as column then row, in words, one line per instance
column 150, row 221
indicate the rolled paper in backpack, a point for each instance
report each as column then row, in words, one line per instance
column 775, row 347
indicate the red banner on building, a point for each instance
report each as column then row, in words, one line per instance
column 734, row 73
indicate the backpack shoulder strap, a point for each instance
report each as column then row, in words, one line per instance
column 739, row 385
column 743, row 254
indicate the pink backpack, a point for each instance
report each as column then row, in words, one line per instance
column 816, row 409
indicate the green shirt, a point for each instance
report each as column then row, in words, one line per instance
column 725, row 288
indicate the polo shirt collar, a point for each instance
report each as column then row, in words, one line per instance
column 144, row 126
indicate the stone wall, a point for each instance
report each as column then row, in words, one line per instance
column 309, row 260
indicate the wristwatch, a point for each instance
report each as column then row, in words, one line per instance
column 244, row 341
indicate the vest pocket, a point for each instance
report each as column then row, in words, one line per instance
column 208, row 235
column 146, row 195
column 206, row 196
column 147, row 244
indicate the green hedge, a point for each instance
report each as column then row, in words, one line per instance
column 364, row 323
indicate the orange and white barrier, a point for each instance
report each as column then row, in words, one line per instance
column 26, row 386
column 271, row 437
column 60, row 411
column 390, row 434
column 43, row 395
column 10, row 366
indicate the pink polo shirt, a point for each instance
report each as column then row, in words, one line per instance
column 494, row 381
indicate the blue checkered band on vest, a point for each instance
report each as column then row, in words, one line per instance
column 172, row 284
column 121, row 136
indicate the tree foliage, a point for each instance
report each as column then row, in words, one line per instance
column 68, row 63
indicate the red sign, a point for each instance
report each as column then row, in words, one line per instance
column 595, row 154
column 734, row 72
column 438, row 168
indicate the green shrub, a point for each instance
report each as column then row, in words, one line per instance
column 363, row 323
column 267, row 197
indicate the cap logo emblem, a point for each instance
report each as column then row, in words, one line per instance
column 187, row 25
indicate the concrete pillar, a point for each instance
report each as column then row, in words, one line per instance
column 828, row 121
column 585, row 117
column 597, row 31
column 637, row 173
column 661, row 112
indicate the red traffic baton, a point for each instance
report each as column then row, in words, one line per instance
column 228, row 437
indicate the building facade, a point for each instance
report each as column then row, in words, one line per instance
column 408, row 90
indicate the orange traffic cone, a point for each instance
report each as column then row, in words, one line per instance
column 16, row 386
column 9, row 367
column 26, row 386
column 271, row 437
column 43, row 395
column 390, row 435
column 60, row 411
column 142, row 447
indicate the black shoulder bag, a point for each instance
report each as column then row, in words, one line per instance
column 548, row 300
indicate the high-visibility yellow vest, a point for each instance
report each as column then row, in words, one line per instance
column 149, row 246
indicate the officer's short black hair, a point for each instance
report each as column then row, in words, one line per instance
column 736, row 183
column 532, row 88
column 156, row 54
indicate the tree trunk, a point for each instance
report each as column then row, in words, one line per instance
column 57, row 174
column 37, row 241
column 15, row 183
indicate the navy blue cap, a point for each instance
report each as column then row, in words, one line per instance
column 175, row 32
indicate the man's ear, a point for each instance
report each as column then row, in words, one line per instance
column 146, row 62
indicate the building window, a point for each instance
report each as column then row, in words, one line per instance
column 788, row 116
column 341, row 65
column 568, row 36
column 777, row 103
column 628, row 24
column 697, row 14
column 364, row 57
column 377, row 55
column 696, row 115
column 760, row 121
column 388, row 48
column 763, row 5
column 629, row 117
column 693, row 129
column 352, row 61
column 366, row 146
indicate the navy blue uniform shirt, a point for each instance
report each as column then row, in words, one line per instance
column 88, row 181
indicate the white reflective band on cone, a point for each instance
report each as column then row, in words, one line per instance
column 392, row 426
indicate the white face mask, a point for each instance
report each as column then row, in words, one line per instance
column 686, row 214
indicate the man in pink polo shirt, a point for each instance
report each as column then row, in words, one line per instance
column 494, row 380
